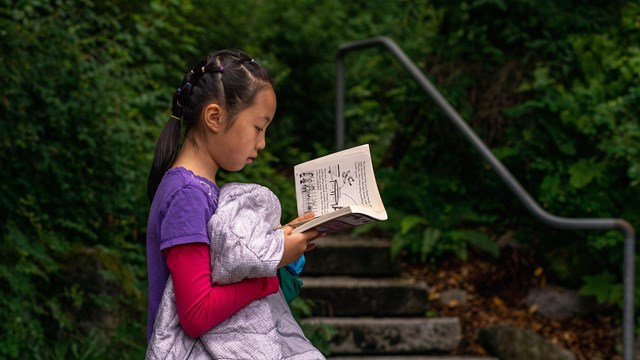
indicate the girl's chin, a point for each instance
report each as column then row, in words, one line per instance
column 234, row 168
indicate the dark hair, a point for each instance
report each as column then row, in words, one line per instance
column 230, row 78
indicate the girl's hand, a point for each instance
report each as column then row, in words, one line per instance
column 295, row 245
column 307, row 216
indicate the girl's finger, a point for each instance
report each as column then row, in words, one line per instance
column 306, row 216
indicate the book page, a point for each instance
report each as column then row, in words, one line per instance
column 335, row 181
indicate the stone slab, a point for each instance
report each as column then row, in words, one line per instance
column 335, row 255
column 410, row 357
column 380, row 336
column 350, row 296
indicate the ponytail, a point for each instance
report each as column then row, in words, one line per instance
column 164, row 155
column 168, row 143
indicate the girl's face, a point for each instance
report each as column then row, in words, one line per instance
column 238, row 145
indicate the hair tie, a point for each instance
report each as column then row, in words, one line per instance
column 221, row 69
column 175, row 117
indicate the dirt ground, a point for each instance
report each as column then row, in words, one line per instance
column 496, row 288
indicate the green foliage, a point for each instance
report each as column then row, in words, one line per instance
column 75, row 149
column 584, row 105
column 320, row 335
column 604, row 287
column 425, row 242
column 554, row 99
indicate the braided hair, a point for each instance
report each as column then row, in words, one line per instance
column 230, row 78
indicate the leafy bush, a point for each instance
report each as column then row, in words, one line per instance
column 552, row 98
column 583, row 105
column 76, row 104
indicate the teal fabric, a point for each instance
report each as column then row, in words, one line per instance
column 290, row 284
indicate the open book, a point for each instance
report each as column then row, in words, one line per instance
column 340, row 189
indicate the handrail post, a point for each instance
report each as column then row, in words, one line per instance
column 340, row 104
column 504, row 174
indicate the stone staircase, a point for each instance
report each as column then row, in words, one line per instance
column 357, row 289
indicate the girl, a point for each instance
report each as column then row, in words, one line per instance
column 224, row 106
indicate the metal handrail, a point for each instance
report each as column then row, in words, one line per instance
column 506, row 176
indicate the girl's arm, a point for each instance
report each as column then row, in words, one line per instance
column 202, row 306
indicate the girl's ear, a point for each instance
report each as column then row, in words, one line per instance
column 213, row 117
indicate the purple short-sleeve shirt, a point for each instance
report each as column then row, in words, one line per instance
column 181, row 208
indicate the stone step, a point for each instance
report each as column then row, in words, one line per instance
column 410, row 357
column 351, row 296
column 387, row 336
column 343, row 255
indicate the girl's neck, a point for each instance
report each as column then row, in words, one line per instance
column 195, row 159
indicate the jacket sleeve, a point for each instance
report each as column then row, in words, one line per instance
column 244, row 234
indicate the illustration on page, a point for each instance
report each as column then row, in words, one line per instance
column 333, row 187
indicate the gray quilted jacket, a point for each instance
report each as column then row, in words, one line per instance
column 244, row 244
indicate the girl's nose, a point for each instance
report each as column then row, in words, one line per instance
column 261, row 144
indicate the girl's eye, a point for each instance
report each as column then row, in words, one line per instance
column 259, row 129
